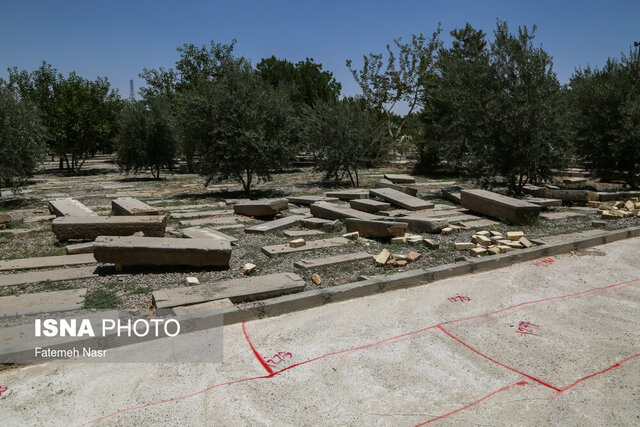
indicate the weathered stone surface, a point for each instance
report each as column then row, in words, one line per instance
column 195, row 308
column 385, row 183
column 320, row 223
column 382, row 257
column 331, row 211
column 332, row 260
column 256, row 287
column 69, row 207
column 401, row 199
column 90, row 227
column 400, row 178
column 368, row 205
column 545, row 203
column 200, row 214
column 477, row 223
column 206, row 233
column 79, row 248
column 302, row 233
column 452, row 194
column 275, row 225
column 39, row 218
column 128, row 250
column 349, row 194
column 574, row 180
column 564, row 195
column 42, row 302
column 46, row 261
column 422, row 224
column 496, row 205
column 265, row 207
column 209, row 220
column 127, row 206
column 560, row 215
column 47, row 275
column 308, row 200
column 374, row 228
column 274, row 250
column 297, row 243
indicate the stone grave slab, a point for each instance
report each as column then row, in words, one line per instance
column 369, row 205
column 275, row 225
column 399, row 178
column 545, row 203
column 90, row 227
column 348, row 194
column 308, row 200
column 210, row 220
column 181, row 208
column 48, row 275
column 256, row 287
column 79, row 248
column 199, row 214
column 42, row 302
column 127, row 206
column 331, row 211
column 385, row 183
column 332, row 260
column 69, row 207
column 401, row 199
column 264, row 207
column 46, row 262
column 302, row 233
column 479, row 223
column 129, row 250
column 574, row 180
column 374, row 228
column 494, row 205
column 274, row 250
column 560, row 215
column 422, row 224
column 452, row 194
column 207, row 233
column 300, row 211
column 40, row 218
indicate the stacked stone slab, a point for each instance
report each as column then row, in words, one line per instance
column 331, row 211
column 265, row 207
column 385, row 183
column 496, row 205
column 90, row 227
column 368, row 205
column 349, row 194
column 69, row 207
column 130, row 250
column 401, row 199
column 128, row 206
column 377, row 229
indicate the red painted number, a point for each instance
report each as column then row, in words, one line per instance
column 546, row 262
column 459, row 298
column 279, row 358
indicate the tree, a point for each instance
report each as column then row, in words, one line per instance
column 345, row 136
column 240, row 124
column 400, row 78
column 22, row 145
column 146, row 138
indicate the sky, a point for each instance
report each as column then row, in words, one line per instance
column 117, row 39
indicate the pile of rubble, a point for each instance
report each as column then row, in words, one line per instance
column 619, row 209
column 388, row 260
column 493, row 243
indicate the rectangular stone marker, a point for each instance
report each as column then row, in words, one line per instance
column 560, row 215
column 127, row 206
column 274, row 250
column 80, row 248
column 496, row 205
column 308, row 200
column 129, row 250
column 330, row 211
column 380, row 229
column 90, row 227
column 199, row 214
column 401, row 199
column 265, row 207
column 574, row 180
column 385, row 183
column 479, row 223
column 545, row 203
column 48, row 275
column 256, row 287
column 368, row 205
column 569, row 195
column 46, row 261
column 69, row 207
column 42, row 302
column 332, row 260
column 422, row 224
column 400, row 178
column 302, row 233
column 349, row 194
column 210, row 220
column 451, row 194
column 275, row 225
column 207, row 233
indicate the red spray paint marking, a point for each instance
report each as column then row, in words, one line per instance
column 279, row 358
column 526, row 328
column 255, row 352
column 459, row 298
column 521, row 383
column 615, row 365
column 389, row 340
column 545, row 262
column 3, row 389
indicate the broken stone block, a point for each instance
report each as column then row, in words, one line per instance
column 431, row 244
column 79, row 248
column 127, row 206
column 89, row 227
column 275, row 225
column 400, row 178
column 248, row 268
column 259, row 208
column 482, row 240
column 498, row 206
column 504, row 248
column 401, row 263
column 574, row 180
column 525, row 242
column 493, row 251
column 598, row 224
column 375, row 228
column 415, row 239
column 382, row 258
column 414, row 256
column 316, row 279
column 495, row 233
column 210, row 305
column 515, row 235
column 447, row 230
column 368, row 205
column 398, row 240
column 401, row 199
column 385, row 183
column 353, row 235
column 274, row 250
column 192, row 280
column 349, row 194
column 478, row 252
column 593, row 204
column 69, row 207
column 332, row 211
column 463, row 246
column 629, row 205
column 483, row 233
column 297, row 243
column 422, row 224
column 332, row 260
column 309, row 200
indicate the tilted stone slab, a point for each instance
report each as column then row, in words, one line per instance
column 564, row 195
column 199, row 214
column 560, row 215
column 399, row 178
column 308, row 200
column 479, row 223
column 90, row 227
column 401, row 199
column 48, row 275
column 46, row 261
column 275, row 225
column 349, row 194
column 545, row 203
column 210, row 220
column 316, row 223
column 332, row 260
column 496, row 205
column 127, row 206
column 385, row 183
column 129, row 250
column 42, row 302
column 79, row 248
column 265, row 207
column 422, row 224
column 69, row 207
column 274, row 250
column 302, row 233
column 330, row 211
column 368, row 205
column 256, row 287
column 207, row 233
column 452, row 194
column 374, row 228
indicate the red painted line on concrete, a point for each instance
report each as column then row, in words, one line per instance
column 615, row 365
column 255, row 352
column 532, row 378
column 521, row 383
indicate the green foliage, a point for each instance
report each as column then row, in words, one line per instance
column 101, row 299
column 21, row 138
column 146, row 138
column 605, row 111
column 345, row 136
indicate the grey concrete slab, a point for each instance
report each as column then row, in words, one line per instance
column 302, row 233
column 58, row 275
column 369, row 205
column 195, row 308
column 385, row 183
column 274, row 250
column 47, row 261
column 258, row 208
column 199, row 214
column 90, row 227
column 349, row 194
column 209, row 220
column 128, row 206
column 494, row 205
column 307, row 200
column 561, row 215
column 206, row 233
column 401, row 199
column 42, row 302
column 399, row 178
column 332, row 260
column 275, row 225
column 69, row 207
column 375, row 228
column 331, row 211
